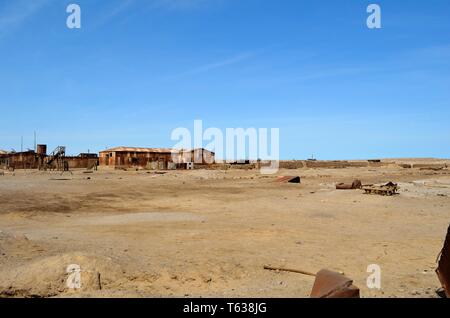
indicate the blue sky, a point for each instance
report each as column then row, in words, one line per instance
column 138, row 69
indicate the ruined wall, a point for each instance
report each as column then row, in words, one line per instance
column 198, row 156
column 326, row 164
column 142, row 159
column 134, row 159
column 358, row 164
column 429, row 165
column 31, row 160
column 150, row 160
column 4, row 162
column 79, row 162
column 23, row 160
column 298, row 164
column 107, row 159
column 292, row 164
column 208, row 157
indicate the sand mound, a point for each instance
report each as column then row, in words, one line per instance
column 67, row 274
column 15, row 246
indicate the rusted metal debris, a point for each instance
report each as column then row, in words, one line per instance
column 357, row 184
column 281, row 269
column 443, row 270
column 330, row 284
column 388, row 189
column 289, row 179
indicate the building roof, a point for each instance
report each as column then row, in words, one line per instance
column 137, row 149
column 145, row 150
column 3, row 152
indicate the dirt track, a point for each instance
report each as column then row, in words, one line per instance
column 209, row 233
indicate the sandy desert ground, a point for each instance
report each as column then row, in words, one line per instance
column 208, row 233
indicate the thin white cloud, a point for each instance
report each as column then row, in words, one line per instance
column 15, row 13
column 333, row 72
column 133, row 8
column 116, row 10
column 431, row 54
column 181, row 4
column 212, row 66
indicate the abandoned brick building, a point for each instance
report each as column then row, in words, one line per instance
column 39, row 159
column 20, row 160
column 154, row 158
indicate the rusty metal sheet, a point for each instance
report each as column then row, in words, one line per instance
column 443, row 270
column 289, row 179
column 357, row 184
column 388, row 189
column 330, row 284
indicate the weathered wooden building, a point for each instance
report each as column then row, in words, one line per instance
column 199, row 156
column 154, row 158
column 40, row 160
column 20, row 160
column 80, row 161
column 3, row 159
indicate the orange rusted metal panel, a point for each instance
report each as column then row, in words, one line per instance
column 330, row 284
column 289, row 179
column 357, row 184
